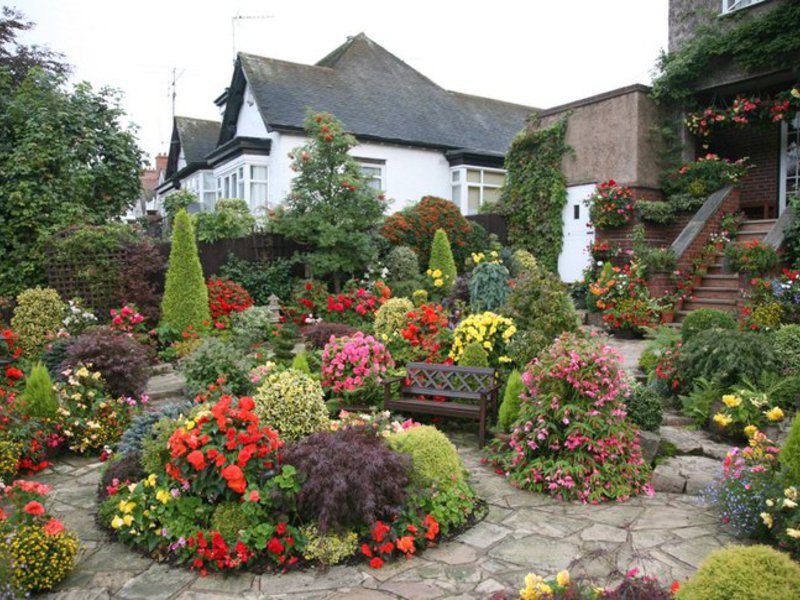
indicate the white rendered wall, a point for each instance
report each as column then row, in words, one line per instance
column 409, row 173
column 250, row 123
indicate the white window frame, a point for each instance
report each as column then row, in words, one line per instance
column 251, row 181
column 458, row 181
column 783, row 191
column 729, row 6
column 238, row 174
column 373, row 163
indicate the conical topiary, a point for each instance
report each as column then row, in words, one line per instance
column 789, row 456
column 39, row 399
column 442, row 261
column 185, row 299
column 283, row 344
column 509, row 408
column 300, row 363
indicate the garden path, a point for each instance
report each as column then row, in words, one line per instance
column 666, row 535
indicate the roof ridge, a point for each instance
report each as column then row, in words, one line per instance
column 506, row 102
column 280, row 60
column 197, row 119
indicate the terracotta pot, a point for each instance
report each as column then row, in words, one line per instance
column 627, row 334
column 667, row 317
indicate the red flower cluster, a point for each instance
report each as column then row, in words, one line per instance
column 226, row 297
column 611, row 205
column 424, row 331
column 223, row 450
column 216, row 554
column 356, row 303
column 127, row 319
column 385, row 541
column 308, row 300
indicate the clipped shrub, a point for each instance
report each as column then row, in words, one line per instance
column 284, row 342
column 726, row 356
column 787, row 347
column 226, row 297
column 261, row 279
column 370, row 479
column 434, row 458
column 291, row 402
column 126, row 469
column 744, row 573
column 121, row 360
column 573, row 404
column 316, row 336
column 229, row 518
column 509, row 407
column 330, row 548
column 442, row 260
column 216, row 359
column 789, row 456
column 40, row 560
column 185, row 299
column 704, row 319
column 391, row 317
column 644, row 407
column 37, row 317
column 251, row 327
column 474, row 355
column 522, row 262
column 541, row 310
column 419, row 297
column 39, row 399
column 230, row 219
column 488, row 287
column 300, row 363
column 403, row 263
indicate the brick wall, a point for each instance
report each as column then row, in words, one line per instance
column 759, row 191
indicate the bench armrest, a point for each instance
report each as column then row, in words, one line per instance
column 392, row 381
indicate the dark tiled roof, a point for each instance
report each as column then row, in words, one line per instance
column 198, row 138
column 378, row 96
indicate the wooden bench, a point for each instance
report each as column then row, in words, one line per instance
column 423, row 381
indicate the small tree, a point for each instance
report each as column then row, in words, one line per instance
column 442, row 260
column 330, row 207
column 39, row 399
column 185, row 299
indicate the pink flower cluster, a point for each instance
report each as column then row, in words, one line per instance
column 126, row 319
column 352, row 363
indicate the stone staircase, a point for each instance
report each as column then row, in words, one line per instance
column 719, row 289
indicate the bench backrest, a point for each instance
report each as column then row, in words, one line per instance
column 449, row 381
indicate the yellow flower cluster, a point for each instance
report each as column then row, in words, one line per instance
column 536, row 588
column 479, row 257
column 437, row 277
column 40, row 561
column 490, row 330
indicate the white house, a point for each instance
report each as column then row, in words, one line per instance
column 415, row 138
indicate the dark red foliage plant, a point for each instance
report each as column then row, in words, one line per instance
column 319, row 334
column 120, row 359
column 349, row 478
column 141, row 279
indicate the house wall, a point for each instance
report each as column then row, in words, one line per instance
column 686, row 17
column 410, row 173
column 761, row 144
column 250, row 123
column 611, row 135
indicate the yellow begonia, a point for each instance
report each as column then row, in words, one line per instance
column 127, row 519
column 150, row 481
column 437, row 273
column 789, row 503
column 750, row 430
column 767, row 518
column 722, row 420
column 562, row 578
column 126, row 507
column 793, row 533
column 791, row 493
column 731, row 401
column 163, row 496
column 116, row 522
column 438, row 282
column 774, row 414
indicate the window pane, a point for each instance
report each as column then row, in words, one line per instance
column 240, row 171
column 227, row 190
column 456, row 177
column 240, row 190
column 208, row 181
column 473, row 200
column 457, row 195
column 258, row 173
column 493, row 178
column 209, row 200
column 473, row 176
column 258, row 196
column 491, row 195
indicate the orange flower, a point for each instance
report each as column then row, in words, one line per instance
column 34, row 508
column 406, row 544
column 235, row 478
column 53, row 527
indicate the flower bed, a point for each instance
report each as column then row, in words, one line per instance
column 232, row 495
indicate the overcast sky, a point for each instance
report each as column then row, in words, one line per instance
column 533, row 52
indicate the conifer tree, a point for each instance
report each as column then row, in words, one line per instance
column 442, row 262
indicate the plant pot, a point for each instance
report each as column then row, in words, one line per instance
column 627, row 334
column 667, row 317
column 696, row 279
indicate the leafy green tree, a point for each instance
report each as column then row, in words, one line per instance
column 330, row 207
column 185, row 299
column 65, row 158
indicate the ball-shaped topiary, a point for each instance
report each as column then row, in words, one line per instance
column 329, row 548
column 420, row 297
column 435, row 459
column 292, row 403
column 442, row 261
column 185, row 300
column 213, row 360
column 391, row 317
column 744, row 573
column 787, row 347
column 474, row 355
column 39, row 561
column 488, row 287
column 644, row 407
column 704, row 319
column 37, row 317
column 229, row 518
column 39, row 399
column 509, row 407
column 403, row 263
column 573, row 405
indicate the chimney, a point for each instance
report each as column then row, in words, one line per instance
column 161, row 162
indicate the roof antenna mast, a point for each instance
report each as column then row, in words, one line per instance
column 235, row 19
column 174, row 88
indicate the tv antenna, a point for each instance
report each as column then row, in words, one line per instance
column 173, row 86
column 235, row 19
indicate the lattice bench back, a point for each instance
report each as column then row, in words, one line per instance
column 448, row 380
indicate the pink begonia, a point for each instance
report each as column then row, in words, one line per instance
column 352, row 363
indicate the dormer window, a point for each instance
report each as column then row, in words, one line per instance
column 732, row 5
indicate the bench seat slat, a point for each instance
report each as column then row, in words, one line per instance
column 431, row 407
column 426, row 391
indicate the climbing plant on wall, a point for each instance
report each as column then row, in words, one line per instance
column 536, row 190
